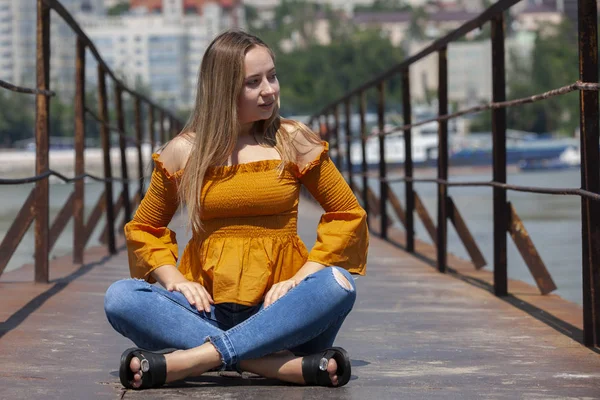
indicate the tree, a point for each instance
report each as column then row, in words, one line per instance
column 17, row 117
column 324, row 73
column 553, row 64
column 119, row 8
column 384, row 5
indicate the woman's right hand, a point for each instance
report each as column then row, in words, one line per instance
column 174, row 281
column 194, row 292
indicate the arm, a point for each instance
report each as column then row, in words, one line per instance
column 342, row 234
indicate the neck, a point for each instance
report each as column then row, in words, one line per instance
column 245, row 129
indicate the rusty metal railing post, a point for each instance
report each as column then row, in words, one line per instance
column 336, row 134
column 137, row 110
column 442, row 160
column 349, row 142
column 105, row 137
column 363, row 148
column 42, row 149
column 123, row 151
column 590, row 180
column 383, row 187
column 151, row 132
column 79, row 231
column 161, row 125
column 499, row 158
column 408, row 162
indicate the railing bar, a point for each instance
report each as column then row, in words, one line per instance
column 495, row 105
column 408, row 162
column 20, row 89
column 516, row 188
column 17, row 230
column 425, row 218
column 499, row 158
column 590, row 180
column 42, row 145
column 119, row 131
column 528, row 252
column 61, row 220
column 79, row 204
column 442, row 170
column 475, row 23
column 69, row 20
column 94, row 217
column 383, row 193
column 465, row 235
column 117, row 209
column 105, row 137
column 32, row 179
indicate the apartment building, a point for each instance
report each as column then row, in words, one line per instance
column 162, row 50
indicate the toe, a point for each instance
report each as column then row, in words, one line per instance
column 332, row 370
column 137, row 380
column 134, row 365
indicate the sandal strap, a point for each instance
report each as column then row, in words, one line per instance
column 152, row 364
column 314, row 367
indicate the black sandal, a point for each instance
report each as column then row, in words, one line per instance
column 152, row 364
column 314, row 367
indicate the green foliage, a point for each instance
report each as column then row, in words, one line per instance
column 17, row 117
column 118, row 8
column 384, row 5
column 553, row 64
column 317, row 75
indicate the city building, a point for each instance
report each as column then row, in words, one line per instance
column 18, row 42
column 161, row 51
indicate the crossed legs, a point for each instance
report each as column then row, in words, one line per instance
column 304, row 321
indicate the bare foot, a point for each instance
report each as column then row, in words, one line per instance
column 135, row 367
column 332, row 370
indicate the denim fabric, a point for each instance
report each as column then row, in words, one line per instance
column 305, row 320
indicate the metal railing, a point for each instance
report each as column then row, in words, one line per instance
column 505, row 219
column 36, row 206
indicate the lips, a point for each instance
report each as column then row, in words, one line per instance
column 267, row 105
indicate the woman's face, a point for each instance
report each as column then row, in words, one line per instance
column 260, row 92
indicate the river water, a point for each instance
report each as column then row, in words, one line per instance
column 553, row 222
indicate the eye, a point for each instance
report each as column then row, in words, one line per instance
column 273, row 77
column 252, row 82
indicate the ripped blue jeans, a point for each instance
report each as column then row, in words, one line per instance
column 305, row 320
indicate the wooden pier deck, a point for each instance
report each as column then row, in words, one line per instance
column 414, row 334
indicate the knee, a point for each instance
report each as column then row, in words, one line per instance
column 119, row 295
column 343, row 280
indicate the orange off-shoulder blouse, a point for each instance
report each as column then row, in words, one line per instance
column 250, row 239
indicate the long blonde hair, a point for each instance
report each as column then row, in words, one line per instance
column 214, row 121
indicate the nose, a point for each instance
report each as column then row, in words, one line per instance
column 267, row 89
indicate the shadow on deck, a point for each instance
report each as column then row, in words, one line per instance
column 414, row 333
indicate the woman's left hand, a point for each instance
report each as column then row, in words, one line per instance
column 278, row 290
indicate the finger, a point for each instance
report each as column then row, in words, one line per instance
column 210, row 299
column 269, row 295
column 204, row 300
column 198, row 300
column 193, row 297
column 286, row 287
column 281, row 290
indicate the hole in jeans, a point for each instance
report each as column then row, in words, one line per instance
column 341, row 279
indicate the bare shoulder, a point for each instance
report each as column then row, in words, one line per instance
column 303, row 137
column 307, row 144
column 175, row 154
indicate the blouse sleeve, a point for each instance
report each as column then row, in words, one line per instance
column 150, row 244
column 342, row 233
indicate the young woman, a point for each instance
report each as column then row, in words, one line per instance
column 247, row 295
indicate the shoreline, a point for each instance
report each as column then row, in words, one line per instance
column 20, row 164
